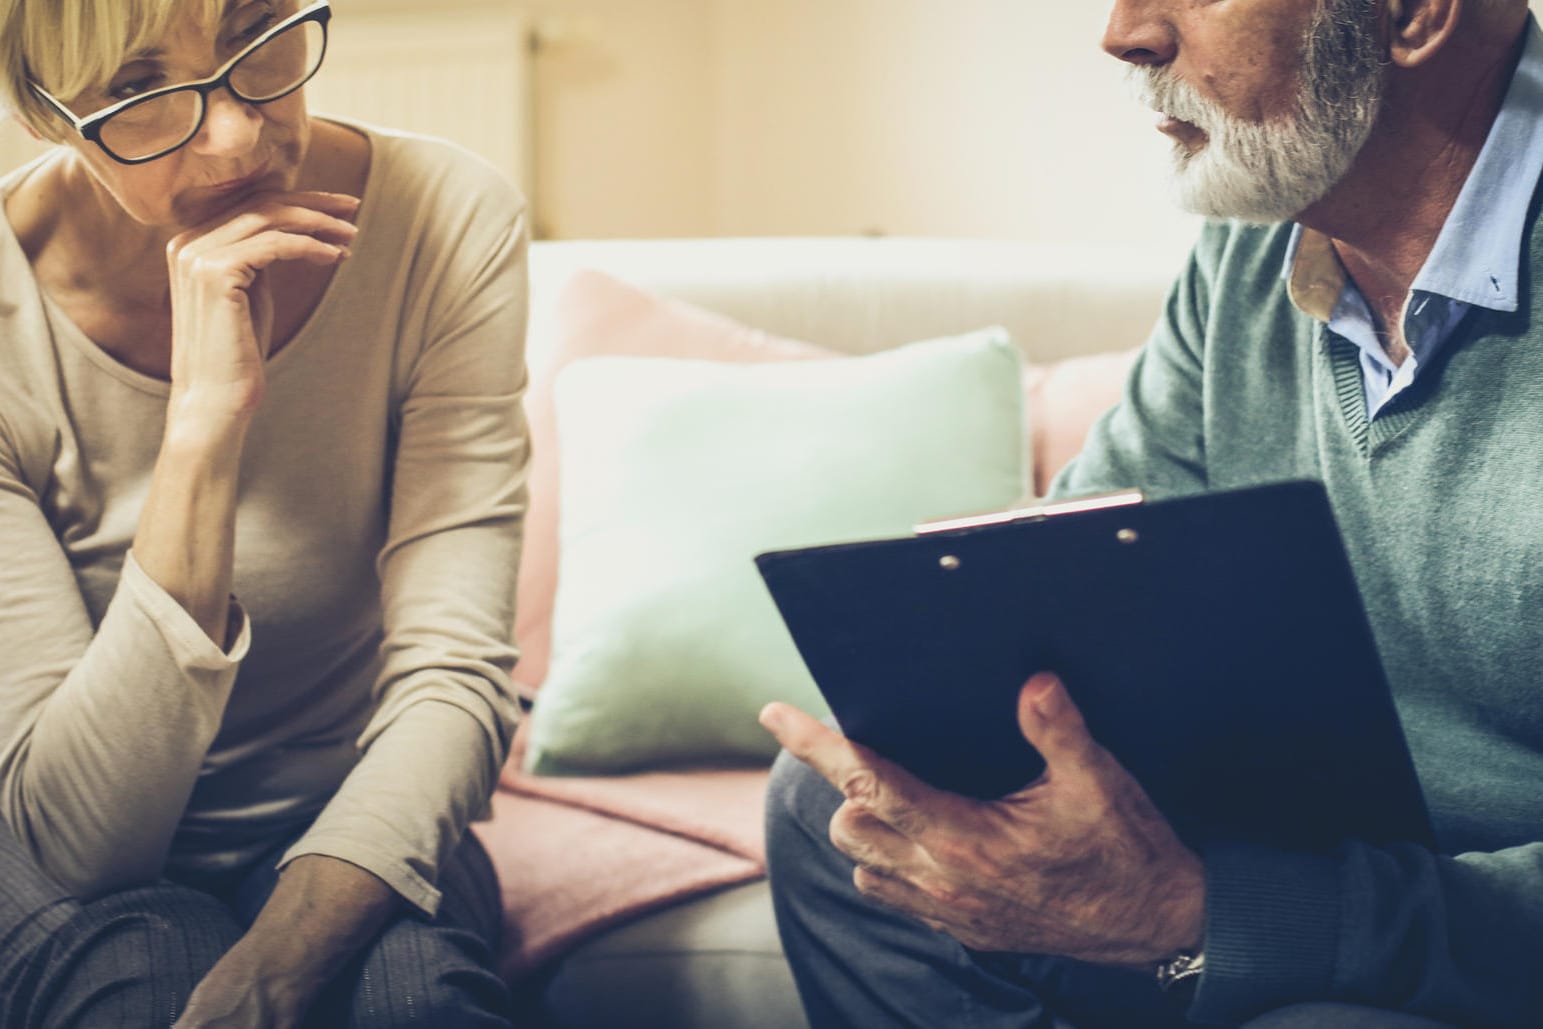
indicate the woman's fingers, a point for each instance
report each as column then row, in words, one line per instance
column 238, row 263
column 327, row 223
column 222, row 306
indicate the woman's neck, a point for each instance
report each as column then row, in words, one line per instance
column 80, row 241
column 107, row 272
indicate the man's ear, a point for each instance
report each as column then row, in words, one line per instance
column 1418, row 29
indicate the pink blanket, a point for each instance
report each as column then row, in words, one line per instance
column 577, row 855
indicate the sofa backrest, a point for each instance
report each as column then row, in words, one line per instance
column 862, row 295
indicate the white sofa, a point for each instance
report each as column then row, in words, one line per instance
column 715, row 960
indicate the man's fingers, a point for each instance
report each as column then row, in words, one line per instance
column 939, row 914
column 806, row 738
column 871, row 842
column 1051, row 722
column 845, row 765
column 882, row 788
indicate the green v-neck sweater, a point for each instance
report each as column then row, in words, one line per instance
column 1440, row 501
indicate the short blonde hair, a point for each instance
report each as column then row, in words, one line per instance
column 71, row 46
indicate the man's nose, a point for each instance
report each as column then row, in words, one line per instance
column 1141, row 32
column 230, row 127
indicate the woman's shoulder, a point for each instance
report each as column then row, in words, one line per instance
column 411, row 174
column 34, row 196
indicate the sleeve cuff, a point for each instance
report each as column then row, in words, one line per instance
column 185, row 638
column 1271, row 932
column 409, row 884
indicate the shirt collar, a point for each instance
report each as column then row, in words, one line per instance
column 1478, row 254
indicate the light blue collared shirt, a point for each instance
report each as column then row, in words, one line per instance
column 1477, row 259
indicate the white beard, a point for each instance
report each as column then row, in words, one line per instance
column 1274, row 170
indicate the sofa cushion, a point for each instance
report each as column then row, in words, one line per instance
column 598, row 315
column 676, row 473
column 711, row 963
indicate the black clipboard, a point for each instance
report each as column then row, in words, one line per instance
column 1216, row 645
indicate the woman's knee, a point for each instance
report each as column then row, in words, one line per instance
column 132, row 957
column 416, row 974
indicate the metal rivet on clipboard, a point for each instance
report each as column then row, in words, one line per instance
column 949, row 563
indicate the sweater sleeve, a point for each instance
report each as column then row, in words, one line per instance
column 444, row 707
column 103, row 729
column 1457, row 939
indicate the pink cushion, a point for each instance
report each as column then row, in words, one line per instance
column 575, row 856
column 598, row 315
column 1064, row 400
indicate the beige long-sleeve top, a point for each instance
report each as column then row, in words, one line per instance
column 377, row 535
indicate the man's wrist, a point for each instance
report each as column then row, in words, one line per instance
column 1185, row 965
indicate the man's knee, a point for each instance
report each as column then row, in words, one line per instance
column 799, row 806
column 1339, row 1016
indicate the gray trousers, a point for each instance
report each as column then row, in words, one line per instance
column 860, row 965
column 132, row 958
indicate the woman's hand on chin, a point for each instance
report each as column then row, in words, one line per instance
column 222, row 308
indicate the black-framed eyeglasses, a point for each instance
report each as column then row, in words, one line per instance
column 153, row 124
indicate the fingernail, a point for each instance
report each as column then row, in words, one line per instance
column 1049, row 697
column 771, row 718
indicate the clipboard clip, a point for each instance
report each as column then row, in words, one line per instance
column 1034, row 513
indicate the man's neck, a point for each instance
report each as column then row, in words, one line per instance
column 1386, row 215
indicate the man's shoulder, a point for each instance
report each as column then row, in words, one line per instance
column 1242, row 253
column 1235, row 273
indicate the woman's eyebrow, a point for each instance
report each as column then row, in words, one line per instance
column 151, row 53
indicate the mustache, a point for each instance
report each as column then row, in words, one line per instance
column 1163, row 91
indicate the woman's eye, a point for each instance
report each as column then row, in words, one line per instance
column 253, row 28
column 127, row 88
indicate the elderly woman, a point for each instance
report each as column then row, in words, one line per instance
column 261, row 487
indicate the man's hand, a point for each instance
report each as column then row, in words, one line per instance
column 1078, row 864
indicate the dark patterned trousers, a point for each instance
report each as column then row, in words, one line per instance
column 132, row 958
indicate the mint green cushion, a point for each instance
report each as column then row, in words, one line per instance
column 676, row 473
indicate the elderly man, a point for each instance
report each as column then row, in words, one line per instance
column 1365, row 311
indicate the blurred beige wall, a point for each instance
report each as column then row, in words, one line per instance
column 997, row 118
column 994, row 118
column 624, row 117
column 956, row 117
